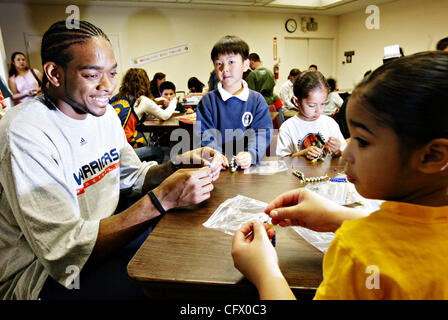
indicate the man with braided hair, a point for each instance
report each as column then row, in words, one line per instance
column 64, row 163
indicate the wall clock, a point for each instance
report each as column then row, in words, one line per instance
column 291, row 25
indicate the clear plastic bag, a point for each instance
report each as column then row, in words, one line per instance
column 319, row 240
column 233, row 213
column 267, row 167
column 343, row 193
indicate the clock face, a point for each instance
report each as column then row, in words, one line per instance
column 291, row 25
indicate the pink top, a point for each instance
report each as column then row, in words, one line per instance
column 25, row 83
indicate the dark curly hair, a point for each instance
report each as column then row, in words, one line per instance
column 135, row 83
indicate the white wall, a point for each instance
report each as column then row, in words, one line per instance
column 4, row 70
column 416, row 25
column 145, row 30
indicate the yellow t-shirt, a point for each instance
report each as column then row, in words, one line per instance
column 398, row 252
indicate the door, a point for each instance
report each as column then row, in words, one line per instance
column 321, row 53
column 302, row 52
column 295, row 56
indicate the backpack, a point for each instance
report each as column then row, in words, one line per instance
column 129, row 120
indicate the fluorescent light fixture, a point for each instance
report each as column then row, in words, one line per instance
column 304, row 3
column 328, row 2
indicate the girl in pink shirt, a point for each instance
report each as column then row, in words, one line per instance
column 22, row 82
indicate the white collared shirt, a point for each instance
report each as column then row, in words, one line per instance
column 286, row 93
column 243, row 95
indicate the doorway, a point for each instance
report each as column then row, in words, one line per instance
column 302, row 52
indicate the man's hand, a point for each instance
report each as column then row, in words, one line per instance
column 185, row 187
column 203, row 157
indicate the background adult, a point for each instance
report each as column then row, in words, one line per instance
column 24, row 82
column 158, row 78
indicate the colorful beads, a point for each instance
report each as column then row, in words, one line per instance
column 298, row 174
column 338, row 180
column 233, row 165
column 302, row 178
column 319, row 158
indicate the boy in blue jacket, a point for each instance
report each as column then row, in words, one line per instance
column 232, row 118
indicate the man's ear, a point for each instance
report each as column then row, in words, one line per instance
column 53, row 73
column 433, row 157
column 246, row 65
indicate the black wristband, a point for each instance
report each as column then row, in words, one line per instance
column 156, row 203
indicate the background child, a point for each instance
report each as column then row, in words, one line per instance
column 195, row 85
column 196, row 88
column 168, row 92
column 310, row 133
column 156, row 81
column 393, row 155
column 234, row 118
column 161, row 108
column 334, row 100
column 286, row 91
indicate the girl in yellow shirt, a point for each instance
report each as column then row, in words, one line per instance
column 398, row 152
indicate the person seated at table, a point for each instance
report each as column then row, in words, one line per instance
column 195, row 85
column 163, row 107
column 196, row 88
column 133, row 103
column 309, row 133
column 234, row 119
column 66, row 164
column 25, row 83
column 334, row 100
column 286, row 91
column 312, row 67
column 398, row 252
column 158, row 78
column 168, row 92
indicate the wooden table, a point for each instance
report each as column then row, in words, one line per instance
column 174, row 122
column 160, row 130
column 183, row 259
